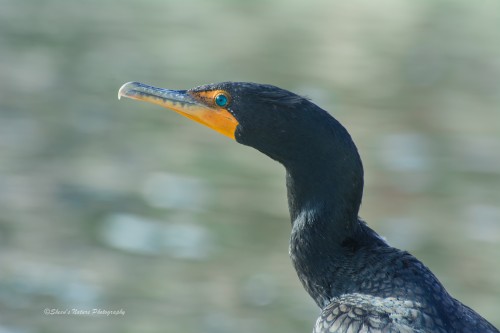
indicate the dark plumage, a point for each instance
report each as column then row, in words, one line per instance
column 360, row 282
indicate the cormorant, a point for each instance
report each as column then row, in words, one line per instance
column 361, row 283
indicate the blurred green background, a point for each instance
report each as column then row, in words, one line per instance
column 122, row 205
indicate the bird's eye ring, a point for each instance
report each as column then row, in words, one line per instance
column 221, row 100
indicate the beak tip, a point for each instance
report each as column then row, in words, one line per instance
column 125, row 88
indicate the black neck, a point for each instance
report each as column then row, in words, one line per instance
column 327, row 178
column 324, row 197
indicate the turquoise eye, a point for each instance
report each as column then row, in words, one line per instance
column 221, row 100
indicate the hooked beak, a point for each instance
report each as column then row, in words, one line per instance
column 184, row 103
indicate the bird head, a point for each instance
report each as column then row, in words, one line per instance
column 275, row 121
